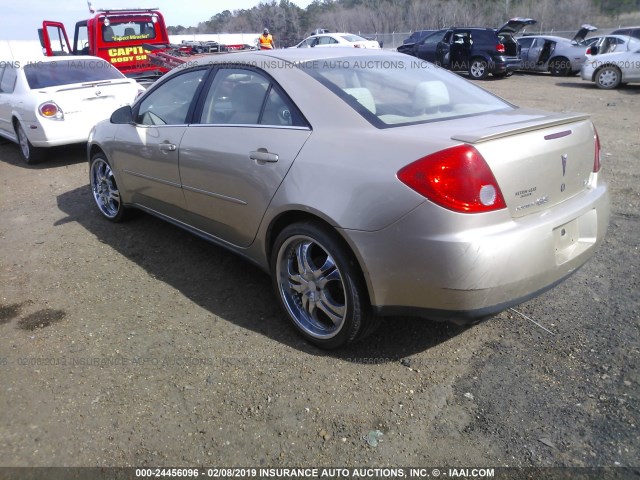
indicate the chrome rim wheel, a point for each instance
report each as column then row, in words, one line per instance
column 608, row 78
column 311, row 286
column 478, row 68
column 104, row 188
column 24, row 142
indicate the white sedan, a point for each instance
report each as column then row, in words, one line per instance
column 619, row 66
column 56, row 101
column 337, row 40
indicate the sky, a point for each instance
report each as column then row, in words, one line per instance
column 20, row 20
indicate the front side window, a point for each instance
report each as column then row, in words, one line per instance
column 239, row 96
column 433, row 40
column 388, row 91
column 169, row 103
column 525, row 42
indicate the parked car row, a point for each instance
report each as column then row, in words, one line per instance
column 483, row 51
column 477, row 51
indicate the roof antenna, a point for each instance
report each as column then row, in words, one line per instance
column 91, row 9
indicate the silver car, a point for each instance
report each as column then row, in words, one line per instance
column 557, row 55
column 619, row 62
column 365, row 182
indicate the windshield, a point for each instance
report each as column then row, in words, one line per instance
column 391, row 91
column 65, row 72
column 125, row 31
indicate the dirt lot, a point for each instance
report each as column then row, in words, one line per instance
column 139, row 345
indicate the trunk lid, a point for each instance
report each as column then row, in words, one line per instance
column 516, row 24
column 93, row 99
column 583, row 32
column 537, row 163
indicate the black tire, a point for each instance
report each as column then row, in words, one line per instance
column 30, row 154
column 104, row 189
column 560, row 67
column 608, row 77
column 320, row 287
column 478, row 69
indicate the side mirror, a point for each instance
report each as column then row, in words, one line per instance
column 122, row 116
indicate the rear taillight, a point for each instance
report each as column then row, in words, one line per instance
column 51, row 110
column 596, row 155
column 500, row 48
column 456, row 178
column 588, row 52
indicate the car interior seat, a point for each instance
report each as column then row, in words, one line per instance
column 107, row 34
column 364, row 97
column 246, row 103
column 430, row 96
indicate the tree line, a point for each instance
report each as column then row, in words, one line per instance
column 290, row 23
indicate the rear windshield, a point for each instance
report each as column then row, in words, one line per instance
column 353, row 38
column 391, row 91
column 65, row 72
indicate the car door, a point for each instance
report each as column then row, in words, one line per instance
column 525, row 44
column 426, row 48
column 149, row 147
column 443, row 50
column 533, row 58
column 460, row 50
column 633, row 70
column 232, row 162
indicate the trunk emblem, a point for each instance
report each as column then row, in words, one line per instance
column 98, row 93
column 564, row 164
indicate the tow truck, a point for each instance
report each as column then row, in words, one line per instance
column 134, row 40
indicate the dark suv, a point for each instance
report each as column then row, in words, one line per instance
column 478, row 51
column 631, row 31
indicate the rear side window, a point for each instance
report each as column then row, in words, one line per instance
column 525, row 42
column 484, row 36
column 8, row 82
column 246, row 97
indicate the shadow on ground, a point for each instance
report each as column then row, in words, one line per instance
column 233, row 288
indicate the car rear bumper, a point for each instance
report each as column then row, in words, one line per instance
column 474, row 273
column 52, row 133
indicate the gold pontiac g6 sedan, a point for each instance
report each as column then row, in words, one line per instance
column 365, row 182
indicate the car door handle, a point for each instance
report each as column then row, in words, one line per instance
column 167, row 147
column 262, row 155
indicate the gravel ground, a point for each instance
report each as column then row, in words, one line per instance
column 139, row 345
